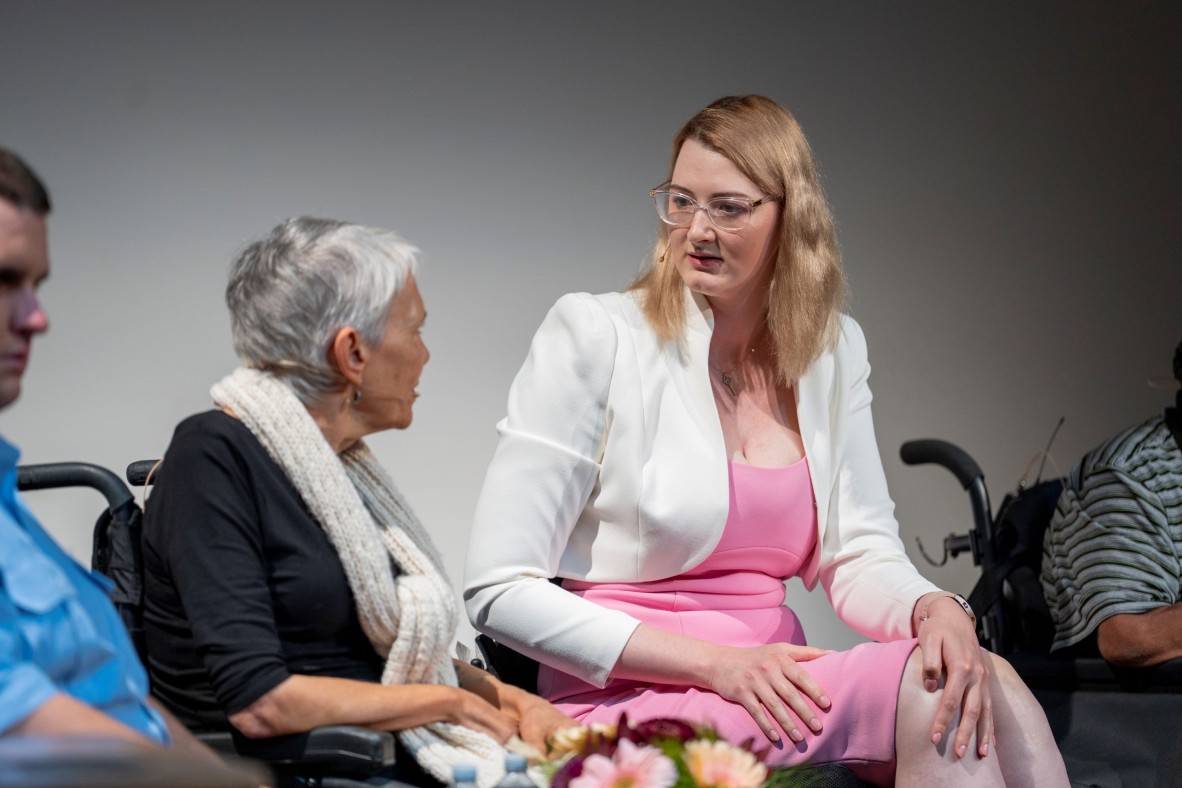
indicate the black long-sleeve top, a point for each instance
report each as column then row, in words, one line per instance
column 242, row 586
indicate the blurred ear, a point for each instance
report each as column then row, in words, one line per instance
column 349, row 354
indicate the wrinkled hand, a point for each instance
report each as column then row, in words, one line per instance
column 949, row 647
column 770, row 683
column 536, row 718
column 473, row 711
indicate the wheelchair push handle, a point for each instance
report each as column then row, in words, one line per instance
column 140, row 472
column 946, row 455
column 53, row 475
column 968, row 473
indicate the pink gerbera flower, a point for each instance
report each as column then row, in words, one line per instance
column 719, row 765
column 630, row 767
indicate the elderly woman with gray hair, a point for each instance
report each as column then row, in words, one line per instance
column 288, row 583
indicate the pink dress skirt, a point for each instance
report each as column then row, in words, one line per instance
column 736, row 596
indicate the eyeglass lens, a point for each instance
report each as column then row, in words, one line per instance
column 679, row 209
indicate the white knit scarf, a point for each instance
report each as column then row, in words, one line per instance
column 409, row 617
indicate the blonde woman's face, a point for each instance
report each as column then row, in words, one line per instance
column 731, row 269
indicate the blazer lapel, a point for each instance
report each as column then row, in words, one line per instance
column 813, row 398
column 693, row 375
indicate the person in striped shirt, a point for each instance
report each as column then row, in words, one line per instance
column 1112, row 554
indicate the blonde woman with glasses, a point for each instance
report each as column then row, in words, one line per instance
column 673, row 452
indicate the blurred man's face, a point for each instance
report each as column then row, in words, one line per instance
column 24, row 265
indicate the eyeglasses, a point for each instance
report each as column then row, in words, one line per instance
column 726, row 213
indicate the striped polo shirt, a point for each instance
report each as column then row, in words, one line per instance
column 1114, row 544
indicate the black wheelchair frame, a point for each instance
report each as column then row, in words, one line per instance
column 1084, row 697
column 337, row 756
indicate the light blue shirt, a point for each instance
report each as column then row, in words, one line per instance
column 58, row 630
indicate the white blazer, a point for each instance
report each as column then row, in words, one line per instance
column 611, row 467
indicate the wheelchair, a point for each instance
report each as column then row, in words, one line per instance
column 338, row 756
column 1114, row 726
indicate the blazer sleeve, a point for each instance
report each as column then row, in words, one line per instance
column 864, row 569
column 546, row 464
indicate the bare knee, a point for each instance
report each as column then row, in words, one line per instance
column 1017, row 715
column 1007, row 685
column 917, row 705
column 911, row 689
column 1026, row 746
column 1003, row 670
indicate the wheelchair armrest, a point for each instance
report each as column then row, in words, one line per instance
column 51, row 762
column 1048, row 672
column 335, row 749
column 508, row 665
column 220, row 742
column 352, row 744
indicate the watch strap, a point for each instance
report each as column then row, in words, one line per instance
column 960, row 600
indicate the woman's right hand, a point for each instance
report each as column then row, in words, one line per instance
column 300, row 703
column 768, row 681
column 472, row 711
column 771, row 684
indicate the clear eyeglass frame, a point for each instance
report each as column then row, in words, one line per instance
column 730, row 214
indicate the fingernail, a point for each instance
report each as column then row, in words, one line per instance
column 815, row 724
column 796, row 735
column 936, row 737
column 985, row 749
column 773, row 735
column 823, row 701
column 930, row 685
column 960, row 751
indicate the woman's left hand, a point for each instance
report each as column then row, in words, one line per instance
column 537, row 718
column 948, row 643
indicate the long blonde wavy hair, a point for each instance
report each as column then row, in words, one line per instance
column 807, row 290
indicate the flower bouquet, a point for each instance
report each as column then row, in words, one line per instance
column 658, row 753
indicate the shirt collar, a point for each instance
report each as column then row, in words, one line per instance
column 9, row 457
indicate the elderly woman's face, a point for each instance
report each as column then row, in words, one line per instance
column 391, row 375
column 729, row 268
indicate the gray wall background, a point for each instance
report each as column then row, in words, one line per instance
column 1005, row 177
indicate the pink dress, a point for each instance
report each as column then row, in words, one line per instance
column 736, row 596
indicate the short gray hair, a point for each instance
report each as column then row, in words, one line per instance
column 291, row 292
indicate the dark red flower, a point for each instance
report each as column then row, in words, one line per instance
column 569, row 771
column 760, row 752
column 660, row 728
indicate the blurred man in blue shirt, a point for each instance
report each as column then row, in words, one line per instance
column 67, row 666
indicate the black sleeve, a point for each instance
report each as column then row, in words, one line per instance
column 203, row 528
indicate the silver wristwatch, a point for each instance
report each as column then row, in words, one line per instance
column 960, row 600
column 964, row 604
